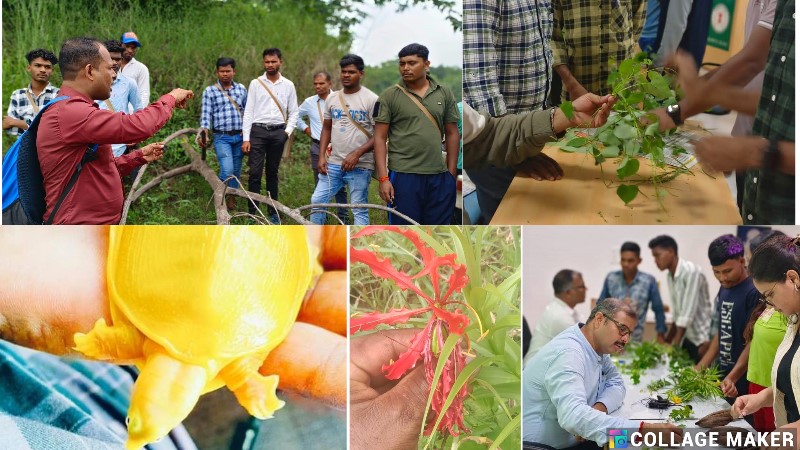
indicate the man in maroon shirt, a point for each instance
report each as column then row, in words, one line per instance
column 69, row 126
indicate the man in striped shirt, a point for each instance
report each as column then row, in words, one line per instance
column 688, row 290
column 26, row 102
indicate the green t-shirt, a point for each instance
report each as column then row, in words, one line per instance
column 415, row 146
column 768, row 333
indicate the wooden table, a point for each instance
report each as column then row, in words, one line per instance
column 581, row 197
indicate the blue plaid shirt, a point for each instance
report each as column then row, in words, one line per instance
column 507, row 55
column 643, row 291
column 47, row 402
column 21, row 108
column 217, row 109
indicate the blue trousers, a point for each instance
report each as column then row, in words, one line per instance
column 428, row 199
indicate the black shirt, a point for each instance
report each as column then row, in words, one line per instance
column 784, row 382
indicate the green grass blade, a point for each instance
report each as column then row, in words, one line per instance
column 507, row 430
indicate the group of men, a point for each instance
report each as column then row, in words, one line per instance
column 522, row 58
column 407, row 138
column 556, row 414
column 349, row 130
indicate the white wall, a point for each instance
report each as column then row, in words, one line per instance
column 594, row 251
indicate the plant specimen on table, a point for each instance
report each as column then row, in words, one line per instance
column 644, row 355
column 688, row 383
column 632, row 130
column 461, row 288
column 682, row 413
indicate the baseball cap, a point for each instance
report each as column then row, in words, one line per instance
column 130, row 37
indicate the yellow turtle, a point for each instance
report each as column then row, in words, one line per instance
column 197, row 308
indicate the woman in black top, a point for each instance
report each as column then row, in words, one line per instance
column 775, row 267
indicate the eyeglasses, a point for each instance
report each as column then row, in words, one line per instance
column 623, row 329
column 764, row 298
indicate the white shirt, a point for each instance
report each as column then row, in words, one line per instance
column 261, row 108
column 557, row 317
column 139, row 73
column 688, row 290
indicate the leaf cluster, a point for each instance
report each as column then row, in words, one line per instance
column 631, row 131
column 644, row 355
column 681, row 413
column 688, row 383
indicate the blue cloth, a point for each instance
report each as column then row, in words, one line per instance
column 218, row 112
column 561, row 383
column 311, row 108
column 47, row 402
column 650, row 30
column 643, row 291
column 357, row 181
column 732, row 312
column 125, row 99
column 229, row 157
column 429, row 199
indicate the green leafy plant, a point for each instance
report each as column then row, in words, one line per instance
column 490, row 380
column 644, row 355
column 658, row 385
column 681, row 413
column 631, row 131
column 688, row 383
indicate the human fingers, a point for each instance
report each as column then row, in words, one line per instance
column 312, row 362
column 45, row 297
column 368, row 353
column 333, row 248
column 326, row 305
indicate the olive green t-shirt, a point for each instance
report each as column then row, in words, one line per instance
column 415, row 146
column 768, row 333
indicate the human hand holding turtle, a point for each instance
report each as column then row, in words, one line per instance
column 56, row 286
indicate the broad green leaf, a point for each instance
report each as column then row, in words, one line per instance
column 628, row 67
column 578, row 142
column 627, row 192
column 651, row 129
column 610, row 151
column 607, row 138
column 625, row 131
column 630, row 147
column 568, row 110
column 570, row 149
column 628, row 167
column 635, row 98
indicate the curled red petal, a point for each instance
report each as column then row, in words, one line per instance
column 458, row 279
column 456, row 322
column 426, row 252
column 371, row 320
column 383, row 268
column 409, row 358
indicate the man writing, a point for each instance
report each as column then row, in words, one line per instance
column 26, row 102
column 69, row 126
column 312, row 108
column 416, row 181
column 688, row 290
column 222, row 109
column 638, row 287
column 571, row 385
column 351, row 161
column 269, row 119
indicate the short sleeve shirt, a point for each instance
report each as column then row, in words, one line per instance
column 415, row 145
column 345, row 136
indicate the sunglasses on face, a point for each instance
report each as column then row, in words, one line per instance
column 623, row 329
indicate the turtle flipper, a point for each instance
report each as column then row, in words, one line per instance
column 163, row 395
column 255, row 392
column 110, row 343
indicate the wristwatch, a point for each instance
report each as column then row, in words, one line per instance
column 674, row 112
column 772, row 156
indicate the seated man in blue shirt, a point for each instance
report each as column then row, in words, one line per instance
column 571, row 385
column 124, row 94
column 638, row 287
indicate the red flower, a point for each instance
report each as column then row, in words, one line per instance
column 442, row 321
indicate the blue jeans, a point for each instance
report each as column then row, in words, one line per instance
column 357, row 181
column 229, row 157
